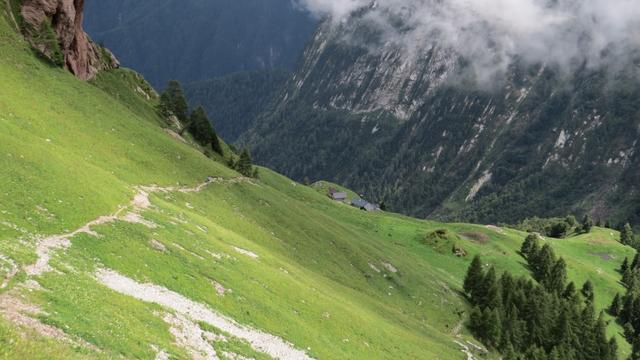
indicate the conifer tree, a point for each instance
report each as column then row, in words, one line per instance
column 474, row 277
column 558, row 278
column 636, row 262
column 629, row 277
column 627, row 236
column 492, row 326
column 529, row 246
column 613, row 348
column 476, row 320
column 587, row 292
column 200, row 127
column 587, row 223
column 488, row 293
column 616, row 306
column 624, row 266
column 570, row 291
column 172, row 101
column 535, row 353
column 543, row 264
column 509, row 353
column 244, row 164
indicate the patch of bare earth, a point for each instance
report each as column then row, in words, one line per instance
column 175, row 135
column 246, row 252
column 259, row 340
column 157, row 245
column 15, row 309
column 478, row 237
column 389, row 267
column 497, row 229
column 9, row 268
column 160, row 354
column 604, row 256
column 47, row 245
column 190, row 336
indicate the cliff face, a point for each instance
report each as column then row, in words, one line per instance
column 80, row 56
column 408, row 129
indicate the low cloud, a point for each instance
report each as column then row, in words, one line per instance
column 492, row 34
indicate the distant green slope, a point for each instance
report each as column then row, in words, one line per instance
column 272, row 254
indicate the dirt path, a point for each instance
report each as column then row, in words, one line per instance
column 46, row 246
column 11, row 271
column 260, row 341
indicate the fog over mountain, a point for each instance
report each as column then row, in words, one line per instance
column 492, row 34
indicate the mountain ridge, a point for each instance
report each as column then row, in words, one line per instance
column 409, row 131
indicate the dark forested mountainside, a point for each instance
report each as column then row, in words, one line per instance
column 191, row 40
column 411, row 132
column 237, row 99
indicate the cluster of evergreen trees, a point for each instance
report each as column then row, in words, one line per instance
column 549, row 271
column 524, row 320
column 627, row 308
column 558, row 228
column 173, row 102
column 628, row 238
column 244, row 165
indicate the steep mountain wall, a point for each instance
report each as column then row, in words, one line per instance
column 416, row 130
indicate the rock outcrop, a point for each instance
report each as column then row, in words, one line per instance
column 79, row 54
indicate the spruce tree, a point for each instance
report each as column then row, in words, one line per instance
column 530, row 243
column 570, row 291
column 492, row 326
column 476, row 324
column 627, row 310
column 509, row 353
column 636, row 262
column 215, row 143
column 543, row 264
column 626, row 235
column 628, row 277
column 474, row 277
column 635, row 350
column 624, row 266
column 616, row 306
column 488, row 293
column 587, row 223
column 558, row 278
column 172, row 101
column 244, row 164
column 587, row 292
column 613, row 349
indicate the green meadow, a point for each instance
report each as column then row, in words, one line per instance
column 334, row 281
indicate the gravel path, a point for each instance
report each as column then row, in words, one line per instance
column 260, row 341
column 46, row 246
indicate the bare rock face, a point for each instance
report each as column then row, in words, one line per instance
column 81, row 56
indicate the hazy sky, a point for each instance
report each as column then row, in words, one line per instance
column 491, row 33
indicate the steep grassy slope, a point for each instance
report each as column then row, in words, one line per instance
column 270, row 254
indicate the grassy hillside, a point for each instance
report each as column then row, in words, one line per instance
column 167, row 258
